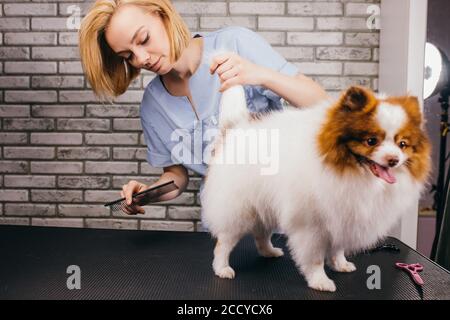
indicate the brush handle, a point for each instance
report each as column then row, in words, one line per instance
column 148, row 195
column 152, row 195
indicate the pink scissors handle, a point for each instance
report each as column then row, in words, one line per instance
column 412, row 269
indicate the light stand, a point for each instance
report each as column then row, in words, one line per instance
column 437, row 70
column 439, row 194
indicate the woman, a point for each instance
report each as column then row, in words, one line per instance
column 119, row 37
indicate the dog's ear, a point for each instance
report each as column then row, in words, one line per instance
column 356, row 99
column 412, row 105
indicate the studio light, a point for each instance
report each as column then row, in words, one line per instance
column 436, row 71
column 436, row 81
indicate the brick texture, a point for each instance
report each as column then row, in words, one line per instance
column 63, row 153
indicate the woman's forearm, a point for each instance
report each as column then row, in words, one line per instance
column 299, row 91
column 180, row 177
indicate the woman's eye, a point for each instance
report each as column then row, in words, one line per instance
column 130, row 57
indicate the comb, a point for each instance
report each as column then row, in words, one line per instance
column 144, row 197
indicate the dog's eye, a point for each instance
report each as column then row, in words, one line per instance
column 402, row 144
column 372, row 142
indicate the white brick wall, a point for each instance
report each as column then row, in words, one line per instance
column 63, row 153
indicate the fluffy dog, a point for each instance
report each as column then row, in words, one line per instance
column 348, row 170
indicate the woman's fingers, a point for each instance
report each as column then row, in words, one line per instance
column 127, row 191
column 123, row 206
column 229, row 83
column 133, row 209
column 129, row 206
column 218, row 60
column 233, row 72
column 140, row 210
column 228, row 69
column 229, row 64
column 125, row 209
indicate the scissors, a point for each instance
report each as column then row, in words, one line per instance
column 413, row 270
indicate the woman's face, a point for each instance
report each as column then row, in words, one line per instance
column 140, row 38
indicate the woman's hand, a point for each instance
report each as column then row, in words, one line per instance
column 234, row 70
column 298, row 90
column 128, row 190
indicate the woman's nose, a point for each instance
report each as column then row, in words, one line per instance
column 142, row 57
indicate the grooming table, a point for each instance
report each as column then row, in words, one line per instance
column 124, row 264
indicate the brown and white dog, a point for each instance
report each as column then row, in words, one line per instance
column 348, row 170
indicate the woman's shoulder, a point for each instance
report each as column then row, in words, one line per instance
column 231, row 33
column 233, row 30
column 149, row 102
column 153, row 89
column 151, row 84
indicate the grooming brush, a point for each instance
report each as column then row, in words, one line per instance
column 144, row 197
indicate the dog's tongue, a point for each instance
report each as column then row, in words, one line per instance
column 382, row 172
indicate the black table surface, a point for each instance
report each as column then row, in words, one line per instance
column 126, row 264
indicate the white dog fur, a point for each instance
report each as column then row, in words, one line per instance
column 322, row 214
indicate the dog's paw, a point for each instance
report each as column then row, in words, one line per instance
column 347, row 267
column 322, row 284
column 343, row 267
column 272, row 253
column 225, row 273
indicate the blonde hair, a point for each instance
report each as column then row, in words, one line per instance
column 109, row 74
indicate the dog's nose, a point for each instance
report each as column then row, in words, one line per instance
column 392, row 161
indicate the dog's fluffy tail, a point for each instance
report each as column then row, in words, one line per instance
column 233, row 107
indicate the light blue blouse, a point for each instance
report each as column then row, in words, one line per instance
column 172, row 132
